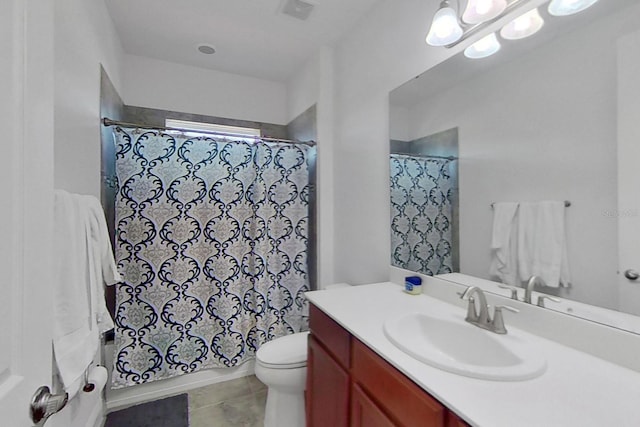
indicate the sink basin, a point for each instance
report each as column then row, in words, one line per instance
column 456, row 346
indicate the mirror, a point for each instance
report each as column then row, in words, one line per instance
column 539, row 121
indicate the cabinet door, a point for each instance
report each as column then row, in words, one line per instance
column 400, row 398
column 327, row 389
column 364, row 412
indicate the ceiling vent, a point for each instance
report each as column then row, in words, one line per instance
column 298, row 8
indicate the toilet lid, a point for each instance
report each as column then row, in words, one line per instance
column 285, row 352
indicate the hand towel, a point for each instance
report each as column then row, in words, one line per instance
column 503, row 243
column 74, row 343
column 83, row 262
column 103, row 270
column 542, row 243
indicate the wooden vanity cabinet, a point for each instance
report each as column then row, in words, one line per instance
column 350, row 385
column 328, row 382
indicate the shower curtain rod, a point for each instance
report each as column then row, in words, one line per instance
column 567, row 203
column 427, row 156
column 108, row 122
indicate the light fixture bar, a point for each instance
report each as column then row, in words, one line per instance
column 471, row 31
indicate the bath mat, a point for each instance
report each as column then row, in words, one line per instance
column 169, row 412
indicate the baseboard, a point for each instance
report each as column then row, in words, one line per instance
column 130, row 396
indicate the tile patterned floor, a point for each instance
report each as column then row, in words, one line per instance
column 235, row 403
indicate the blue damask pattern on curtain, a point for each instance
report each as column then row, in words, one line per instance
column 211, row 240
column 421, row 214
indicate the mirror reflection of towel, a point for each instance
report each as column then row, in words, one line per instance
column 503, row 243
column 541, row 248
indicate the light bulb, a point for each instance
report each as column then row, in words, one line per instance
column 484, row 47
column 478, row 11
column 445, row 28
column 523, row 26
column 569, row 7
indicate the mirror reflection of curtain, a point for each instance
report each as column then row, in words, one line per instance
column 211, row 241
column 421, row 214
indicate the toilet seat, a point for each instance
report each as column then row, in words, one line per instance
column 288, row 352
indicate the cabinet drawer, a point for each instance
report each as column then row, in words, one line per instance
column 401, row 399
column 333, row 337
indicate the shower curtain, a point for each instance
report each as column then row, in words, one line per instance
column 211, row 240
column 421, row 214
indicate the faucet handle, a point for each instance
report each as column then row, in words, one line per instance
column 472, row 313
column 513, row 289
column 506, row 307
column 498, row 321
column 541, row 299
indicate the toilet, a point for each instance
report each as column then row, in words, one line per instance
column 281, row 365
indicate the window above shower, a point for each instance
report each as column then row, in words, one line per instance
column 201, row 128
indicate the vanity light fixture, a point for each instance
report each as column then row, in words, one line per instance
column 448, row 30
column 484, row 47
column 523, row 26
column 568, row 7
column 478, row 11
column 445, row 28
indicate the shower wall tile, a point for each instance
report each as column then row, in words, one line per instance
column 111, row 106
column 305, row 128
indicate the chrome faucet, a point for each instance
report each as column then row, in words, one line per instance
column 483, row 319
column 472, row 313
column 533, row 281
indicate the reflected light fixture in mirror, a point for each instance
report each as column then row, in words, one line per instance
column 569, row 7
column 523, row 26
column 445, row 28
column 483, row 48
column 478, row 11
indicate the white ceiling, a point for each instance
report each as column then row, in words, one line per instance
column 252, row 37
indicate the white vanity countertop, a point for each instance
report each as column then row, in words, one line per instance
column 577, row 389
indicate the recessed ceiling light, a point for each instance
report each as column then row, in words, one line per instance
column 207, row 49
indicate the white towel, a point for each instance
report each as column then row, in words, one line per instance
column 542, row 247
column 101, row 261
column 503, row 243
column 83, row 260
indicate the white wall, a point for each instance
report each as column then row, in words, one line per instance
column 399, row 123
column 84, row 38
column 303, row 88
column 169, row 86
column 542, row 127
